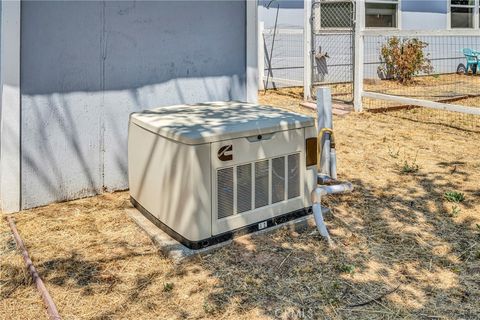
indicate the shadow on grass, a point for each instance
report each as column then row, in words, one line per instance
column 390, row 241
column 394, row 237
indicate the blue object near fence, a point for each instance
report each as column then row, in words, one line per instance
column 472, row 57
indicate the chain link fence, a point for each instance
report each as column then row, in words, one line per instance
column 438, row 93
column 447, row 93
column 283, row 58
column 333, row 47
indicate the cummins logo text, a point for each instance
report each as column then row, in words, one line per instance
column 225, row 153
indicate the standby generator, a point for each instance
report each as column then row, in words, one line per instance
column 204, row 173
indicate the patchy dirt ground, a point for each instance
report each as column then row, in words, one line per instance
column 402, row 248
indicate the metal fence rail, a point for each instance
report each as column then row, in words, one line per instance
column 284, row 68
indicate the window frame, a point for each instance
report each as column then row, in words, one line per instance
column 398, row 17
column 476, row 15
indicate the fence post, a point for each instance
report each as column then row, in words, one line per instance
column 359, row 55
column 307, row 49
column 261, row 55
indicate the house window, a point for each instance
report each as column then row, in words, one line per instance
column 462, row 14
column 381, row 14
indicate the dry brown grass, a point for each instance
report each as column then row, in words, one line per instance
column 396, row 229
column 18, row 296
column 432, row 88
column 436, row 87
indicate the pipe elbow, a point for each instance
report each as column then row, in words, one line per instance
column 317, row 194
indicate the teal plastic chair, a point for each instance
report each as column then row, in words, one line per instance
column 472, row 59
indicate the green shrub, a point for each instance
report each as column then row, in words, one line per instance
column 455, row 211
column 403, row 59
column 454, row 196
column 347, row 268
column 409, row 167
column 167, row 287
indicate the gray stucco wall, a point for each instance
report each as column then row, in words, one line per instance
column 85, row 66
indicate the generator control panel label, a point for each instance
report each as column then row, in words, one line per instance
column 262, row 225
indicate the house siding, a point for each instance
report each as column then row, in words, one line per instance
column 424, row 15
column 85, row 66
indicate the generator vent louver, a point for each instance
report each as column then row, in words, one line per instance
column 244, row 188
column 258, row 184
column 225, row 192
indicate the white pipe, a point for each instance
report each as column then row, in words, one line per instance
column 322, row 228
column 324, row 179
column 327, row 161
column 332, row 189
column 261, row 55
column 317, row 204
column 324, row 120
column 333, row 163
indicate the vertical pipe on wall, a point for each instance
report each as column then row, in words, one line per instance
column 252, row 51
column 261, row 55
column 10, row 126
column 307, row 49
column 359, row 55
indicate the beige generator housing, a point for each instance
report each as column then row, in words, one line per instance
column 204, row 173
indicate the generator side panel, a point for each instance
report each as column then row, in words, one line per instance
column 171, row 181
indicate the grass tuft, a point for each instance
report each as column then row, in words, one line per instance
column 454, row 196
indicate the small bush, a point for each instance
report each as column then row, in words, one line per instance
column 455, row 211
column 409, row 167
column 403, row 59
column 167, row 287
column 454, row 196
column 347, row 268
